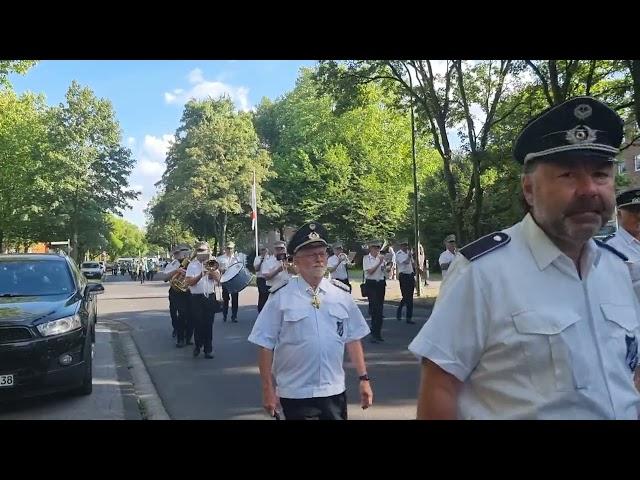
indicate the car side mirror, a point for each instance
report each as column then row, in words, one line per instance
column 95, row 288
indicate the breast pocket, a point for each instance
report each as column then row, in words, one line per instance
column 338, row 318
column 293, row 326
column 622, row 329
column 554, row 349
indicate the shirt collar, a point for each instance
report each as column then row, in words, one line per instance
column 545, row 252
column 626, row 236
column 305, row 287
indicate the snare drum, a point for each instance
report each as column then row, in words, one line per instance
column 236, row 278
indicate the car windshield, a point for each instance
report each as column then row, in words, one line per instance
column 31, row 278
column 90, row 265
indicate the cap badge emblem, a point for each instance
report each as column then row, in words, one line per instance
column 581, row 134
column 583, row 111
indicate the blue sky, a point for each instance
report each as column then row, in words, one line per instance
column 148, row 97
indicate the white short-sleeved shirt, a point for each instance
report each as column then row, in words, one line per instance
column 530, row 339
column 225, row 261
column 341, row 271
column 368, row 262
column 625, row 243
column 403, row 262
column 308, row 342
column 171, row 268
column 446, row 257
column 205, row 284
column 271, row 263
column 259, row 265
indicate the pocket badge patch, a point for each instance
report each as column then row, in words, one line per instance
column 340, row 326
column 632, row 352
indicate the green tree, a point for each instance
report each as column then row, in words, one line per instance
column 210, row 167
column 91, row 165
column 13, row 66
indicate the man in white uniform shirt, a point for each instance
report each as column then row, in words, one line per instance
column 448, row 255
column 226, row 260
column 275, row 266
column 259, row 266
column 540, row 321
column 627, row 238
column 203, row 299
column 302, row 333
column 337, row 265
column 407, row 278
column 373, row 266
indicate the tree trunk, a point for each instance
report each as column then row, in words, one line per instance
column 1, row 241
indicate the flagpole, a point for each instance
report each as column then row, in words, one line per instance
column 255, row 205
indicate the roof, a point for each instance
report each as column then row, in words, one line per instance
column 31, row 257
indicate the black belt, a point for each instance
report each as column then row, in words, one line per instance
column 201, row 294
column 403, row 273
column 371, row 280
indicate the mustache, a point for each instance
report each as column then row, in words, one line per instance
column 586, row 204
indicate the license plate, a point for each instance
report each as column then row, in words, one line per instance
column 6, row 381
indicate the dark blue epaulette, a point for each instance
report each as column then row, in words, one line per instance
column 484, row 245
column 606, row 246
column 608, row 237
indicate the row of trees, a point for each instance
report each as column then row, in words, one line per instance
column 337, row 148
column 62, row 168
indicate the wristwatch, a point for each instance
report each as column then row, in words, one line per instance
column 364, row 378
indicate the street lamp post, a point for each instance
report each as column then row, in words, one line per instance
column 415, row 189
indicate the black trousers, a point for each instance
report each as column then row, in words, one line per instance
column 263, row 292
column 225, row 303
column 180, row 311
column 319, row 408
column 375, row 291
column 407, row 284
column 203, row 312
column 346, row 282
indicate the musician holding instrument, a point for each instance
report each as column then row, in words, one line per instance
column 226, row 260
column 259, row 264
column 374, row 267
column 448, row 255
column 202, row 274
column 337, row 265
column 407, row 277
column 179, row 296
column 276, row 267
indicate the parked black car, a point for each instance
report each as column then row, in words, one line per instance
column 47, row 325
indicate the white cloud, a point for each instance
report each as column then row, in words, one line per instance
column 155, row 149
column 202, row 88
column 151, row 169
column 195, row 76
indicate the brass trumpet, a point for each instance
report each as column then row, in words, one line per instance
column 211, row 265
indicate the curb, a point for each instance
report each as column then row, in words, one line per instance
column 149, row 401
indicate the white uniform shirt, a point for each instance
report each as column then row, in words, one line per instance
column 368, row 262
column 260, row 266
column 530, row 339
column 171, row 268
column 225, row 261
column 625, row 243
column 308, row 342
column 271, row 263
column 341, row 270
column 446, row 257
column 205, row 284
column 403, row 262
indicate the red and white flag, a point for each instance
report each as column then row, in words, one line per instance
column 254, row 207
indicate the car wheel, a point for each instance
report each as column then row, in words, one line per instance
column 87, row 383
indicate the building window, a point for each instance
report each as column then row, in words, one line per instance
column 622, row 167
column 636, row 162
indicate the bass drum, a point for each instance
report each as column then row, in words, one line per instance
column 236, row 278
